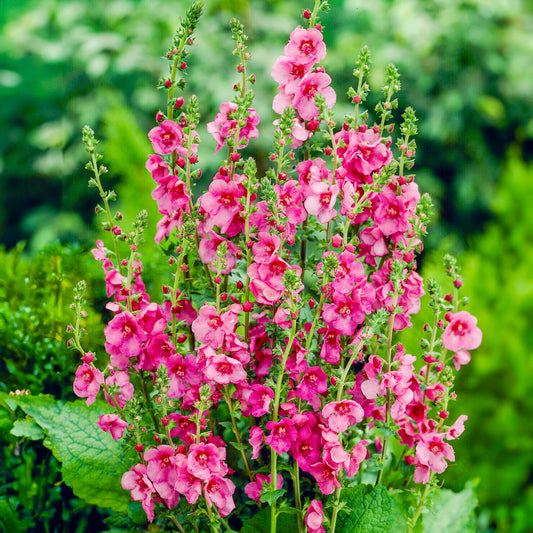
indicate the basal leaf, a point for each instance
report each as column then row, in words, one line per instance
column 27, row 428
column 92, row 462
column 371, row 510
column 260, row 522
column 452, row 512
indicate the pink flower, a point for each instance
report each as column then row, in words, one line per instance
column 391, row 215
column 123, row 389
column 225, row 125
column 341, row 415
column 306, row 46
column 434, row 452
column 266, row 246
column 141, row 488
column 457, row 428
column 220, row 491
column 314, row 382
column 321, row 201
column 314, row 518
column 186, row 483
column 363, row 154
column 113, row 424
column 288, row 72
column 124, row 339
column 462, row 333
column 87, row 382
column 347, row 310
column 462, row 357
column 260, row 399
column 256, row 439
column 159, row 462
column 207, row 250
column 206, row 460
column 167, row 137
column 157, row 167
column 211, row 328
column 325, row 476
column 253, row 489
column 309, row 86
column 282, row 434
column 221, row 204
column 223, row 369
column 267, row 279
column 290, row 201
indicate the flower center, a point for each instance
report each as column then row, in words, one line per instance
column 325, row 198
column 459, row 328
column 215, row 322
column 278, row 267
column 344, row 310
column 306, row 47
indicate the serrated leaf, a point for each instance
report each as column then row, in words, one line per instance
column 260, row 522
column 272, row 495
column 92, row 462
column 452, row 512
column 27, row 428
column 371, row 510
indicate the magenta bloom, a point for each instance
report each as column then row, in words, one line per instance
column 314, row 518
column 223, row 369
column 113, row 424
column 265, row 248
column 321, row 201
column 288, row 73
column 260, row 399
column 309, row 86
column 291, row 201
column 253, row 489
column 123, row 389
column 220, row 491
column 306, row 46
column 256, row 439
column 225, row 125
column 267, row 279
column 462, row 332
column 434, row 452
column 282, row 434
column 391, row 216
column 211, row 328
column 207, row 250
column 124, row 339
column 87, row 382
column 206, row 460
column 141, row 488
column 345, row 313
column 363, row 154
column 457, row 428
column 167, row 137
column 325, row 476
column 341, row 415
column 314, row 382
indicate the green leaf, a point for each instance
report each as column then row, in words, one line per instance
column 92, row 462
column 260, row 522
column 238, row 446
column 27, row 428
column 452, row 512
column 371, row 510
column 9, row 520
column 270, row 496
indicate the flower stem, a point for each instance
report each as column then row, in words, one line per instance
column 420, row 507
column 237, row 432
column 273, row 453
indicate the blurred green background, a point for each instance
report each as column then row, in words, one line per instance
column 466, row 68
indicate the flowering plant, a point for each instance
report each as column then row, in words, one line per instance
column 277, row 332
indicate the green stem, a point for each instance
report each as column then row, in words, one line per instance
column 297, row 496
column 237, row 432
column 420, row 507
column 315, row 322
column 273, row 453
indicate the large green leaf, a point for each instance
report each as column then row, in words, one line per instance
column 92, row 462
column 452, row 512
column 370, row 510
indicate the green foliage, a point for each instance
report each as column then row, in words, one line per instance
column 32, row 337
column 260, row 522
column 495, row 389
column 369, row 509
column 452, row 512
column 91, row 461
